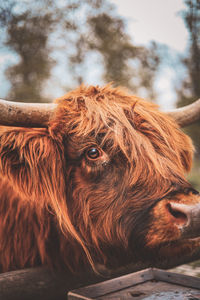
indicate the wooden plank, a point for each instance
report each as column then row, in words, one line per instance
column 44, row 284
column 109, row 286
column 41, row 284
column 154, row 290
column 75, row 296
column 175, row 278
column 124, row 284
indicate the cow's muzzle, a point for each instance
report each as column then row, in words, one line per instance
column 186, row 218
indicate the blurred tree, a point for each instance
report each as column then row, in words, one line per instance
column 27, row 35
column 189, row 88
column 102, row 34
column 88, row 32
column 125, row 64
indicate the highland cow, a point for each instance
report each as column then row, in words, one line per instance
column 103, row 184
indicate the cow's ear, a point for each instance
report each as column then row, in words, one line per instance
column 32, row 163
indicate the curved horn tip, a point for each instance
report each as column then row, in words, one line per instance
column 186, row 115
column 25, row 114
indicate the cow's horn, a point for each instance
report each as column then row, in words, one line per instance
column 186, row 115
column 38, row 114
column 25, row 114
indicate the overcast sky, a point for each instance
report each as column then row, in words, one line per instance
column 160, row 21
column 147, row 20
column 154, row 20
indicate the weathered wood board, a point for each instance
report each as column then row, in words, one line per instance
column 150, row 284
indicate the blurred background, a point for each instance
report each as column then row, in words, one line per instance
column 152, row 47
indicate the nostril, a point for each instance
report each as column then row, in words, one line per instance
column 179, row 216
column 186, row 217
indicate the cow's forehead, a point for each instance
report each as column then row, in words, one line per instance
column 124, row 122
column 102, row 99
column 103, row 115
column 95, row 109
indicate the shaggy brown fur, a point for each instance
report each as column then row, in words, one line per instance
column 60, row 206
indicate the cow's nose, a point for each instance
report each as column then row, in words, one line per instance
column 187, row 218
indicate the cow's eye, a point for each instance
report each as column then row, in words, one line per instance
column 93, row 153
